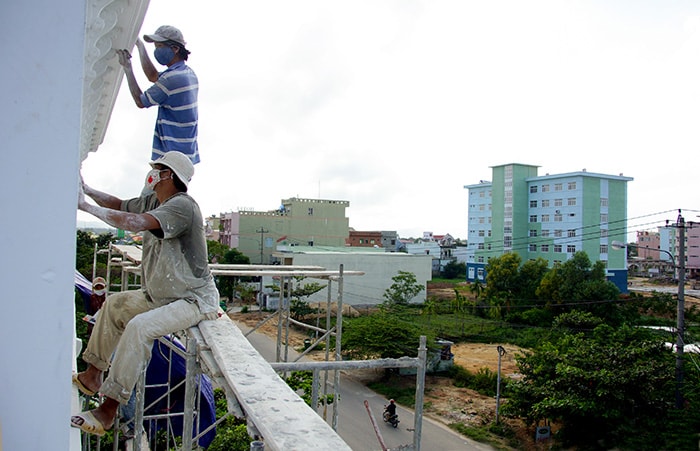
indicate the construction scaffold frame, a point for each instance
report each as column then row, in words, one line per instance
column 206, row 351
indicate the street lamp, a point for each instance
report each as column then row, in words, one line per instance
column 680, row 315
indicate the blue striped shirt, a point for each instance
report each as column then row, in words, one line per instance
column 175, row 93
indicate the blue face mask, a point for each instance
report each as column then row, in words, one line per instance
column 164, row 55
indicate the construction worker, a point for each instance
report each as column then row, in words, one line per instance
column 178, row 289
column 175, row 91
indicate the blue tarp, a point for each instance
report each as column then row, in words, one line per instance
column 157, row 374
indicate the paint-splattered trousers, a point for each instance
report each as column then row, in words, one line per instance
column 122, row 339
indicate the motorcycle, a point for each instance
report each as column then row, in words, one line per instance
column 391, row 419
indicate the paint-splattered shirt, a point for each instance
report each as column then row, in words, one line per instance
column 174, row 258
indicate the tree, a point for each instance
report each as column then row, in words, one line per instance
column 605, row 387
column 531, row 274
column 502, row 281
column 220, row 253
column 404, row 288
column 455, row 270
column 299, row 304
column 216, row 251
column 380, row 335
column 85, row 249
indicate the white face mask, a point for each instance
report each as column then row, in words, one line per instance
column 100, row 292
column 152, row 178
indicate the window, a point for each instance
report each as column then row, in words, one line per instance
column 545, row 218
column 488, row 233
column 480, row 259
column 571, row 233
column 545, row 188
column 545, row 233
column 558, row 187
column 545, row 203
column 533, row 218
column 481, row 233
column 482, row 207
column 558, row 233
column 533, row 233
column 507, row 230
column 533, row 189
column 603, row 201
column 571, row 248
column 603, row 233
column 604, row 250
column 603, row 218
column 532, row 248
column 544, row 248
column 507, row 242
column 558, row 217
column 558, row 202
column 311, row 211
column 481, row 220
column 533, row 204
column 557, row 248
column 572, row 185
column 571, row 201
column 480, row 246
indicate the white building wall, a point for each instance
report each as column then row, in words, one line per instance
column 430, row 248
column 40, row 123
column 379, row 268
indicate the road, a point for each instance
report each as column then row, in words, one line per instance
column 354, row 425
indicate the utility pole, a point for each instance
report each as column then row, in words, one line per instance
column 262, row 231
column 680, row 316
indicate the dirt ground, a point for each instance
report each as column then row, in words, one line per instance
column 444, row 402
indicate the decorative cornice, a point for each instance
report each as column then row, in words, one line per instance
column 109, row 25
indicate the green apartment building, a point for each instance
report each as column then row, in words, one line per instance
column 549, row 216
column 297, row 222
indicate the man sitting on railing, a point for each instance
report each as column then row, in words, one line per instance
column 178, row 290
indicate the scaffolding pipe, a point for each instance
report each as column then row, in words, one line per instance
column 190, row 393
column 138, row 414
column 338, row 341
column 420, row 383
column 328, row 347
column 314, row 390
column 278, row 355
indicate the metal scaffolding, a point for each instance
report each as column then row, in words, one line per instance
column 218, row 351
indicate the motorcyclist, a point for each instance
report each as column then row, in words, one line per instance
column 391, row 408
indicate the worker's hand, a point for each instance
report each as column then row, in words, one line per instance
column 81, row 195
column 140, row 45
column 124, row 58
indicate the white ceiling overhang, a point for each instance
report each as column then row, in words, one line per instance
column 109, row 25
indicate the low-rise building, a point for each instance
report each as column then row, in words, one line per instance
column 296, row 222
column 379, row 268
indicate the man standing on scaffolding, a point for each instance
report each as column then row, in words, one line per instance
column 178, row 290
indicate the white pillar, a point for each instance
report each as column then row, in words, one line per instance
column 41, row 92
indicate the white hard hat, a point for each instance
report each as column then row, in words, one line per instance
column 179, row 163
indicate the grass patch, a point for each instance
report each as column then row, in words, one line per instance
column 501, row 436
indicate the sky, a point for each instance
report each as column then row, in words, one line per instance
column 395, row 106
